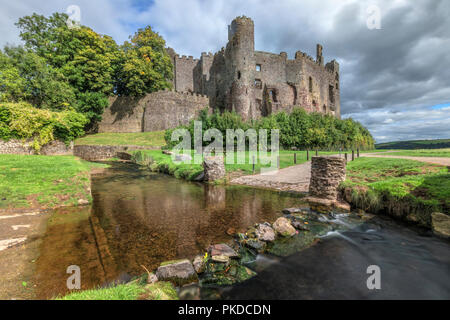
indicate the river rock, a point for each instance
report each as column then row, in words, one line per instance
column 83, row 202
column 255, row 244
column 441, row 224
column 181, row 157
column 221, row 259
column 300, row 225
column 199, row 264
column 222, row 250
column 152, row 278
column 265, row 233
column 291, row 211
column 176, row 270
column 283, row 227
column 214, row 168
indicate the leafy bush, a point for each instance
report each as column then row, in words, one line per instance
column 22, row 121
column 298, row 129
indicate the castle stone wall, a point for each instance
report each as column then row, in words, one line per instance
column 184, row 73
column 168, row 109
column 124, row 114
column 154, row 112
column 53, row 148
column 237, row 78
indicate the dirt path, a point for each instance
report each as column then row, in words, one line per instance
column 434, row 160
column 295, row 178
column 20, row 235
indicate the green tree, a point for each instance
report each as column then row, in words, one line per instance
column 89, row 61
column 12, row 85
column 40, row 84
column 147, row 66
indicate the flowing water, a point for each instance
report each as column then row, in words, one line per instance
column 413, row 265
column 140, row 219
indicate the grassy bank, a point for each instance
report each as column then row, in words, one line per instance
column 131, row 291
column 43, row 181
column 407, row 189
column 159, row 162
column 151, row 139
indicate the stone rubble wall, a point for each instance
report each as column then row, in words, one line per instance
column 154, row 112
column 326, row 175
column 99, row 153
column 53, row 148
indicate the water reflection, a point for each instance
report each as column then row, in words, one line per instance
column 141, row 219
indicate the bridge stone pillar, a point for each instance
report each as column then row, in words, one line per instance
column 326, row 175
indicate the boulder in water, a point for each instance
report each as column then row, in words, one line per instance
column 283, row 227
column 265, row 233
column 222, row 250
column 440, row 223
column 180, row 272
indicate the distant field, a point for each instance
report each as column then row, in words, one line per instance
column 423, row 153
column 151, row 139
column 415, row 144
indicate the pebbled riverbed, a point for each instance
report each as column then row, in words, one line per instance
column 140, row 219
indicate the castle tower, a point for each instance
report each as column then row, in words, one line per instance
column 319, row 58
column 241, row 57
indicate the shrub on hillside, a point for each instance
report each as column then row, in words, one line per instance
column 22, row 121
column 298, row 129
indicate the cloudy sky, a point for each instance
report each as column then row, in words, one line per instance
column 395, row 80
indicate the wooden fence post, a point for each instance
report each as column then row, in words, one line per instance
column 307, row 155
column 295, row 158
column 253, row 163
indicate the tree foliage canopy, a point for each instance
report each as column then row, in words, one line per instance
column 300, row 130
column 60, row 67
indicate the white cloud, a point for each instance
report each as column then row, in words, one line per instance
column 389, row 77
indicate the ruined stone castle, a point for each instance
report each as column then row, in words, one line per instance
column 237, row 78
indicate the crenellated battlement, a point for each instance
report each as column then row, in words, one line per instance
column 175, row 93
column 186, row 58
column 239, row 78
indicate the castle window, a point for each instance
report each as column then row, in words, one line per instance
column 258, row 83
column 273, row 95
column 310, row 85
column 337, row 86
column 239, row 75
column 324, row 109
column 258, row 68
column 331, row 93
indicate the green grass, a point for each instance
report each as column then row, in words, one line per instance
column 131, row 291
column 43, row 181
column 423, row 153
column 150, row 139
column 157, row 161
column 415, row 144
column 400, row 186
